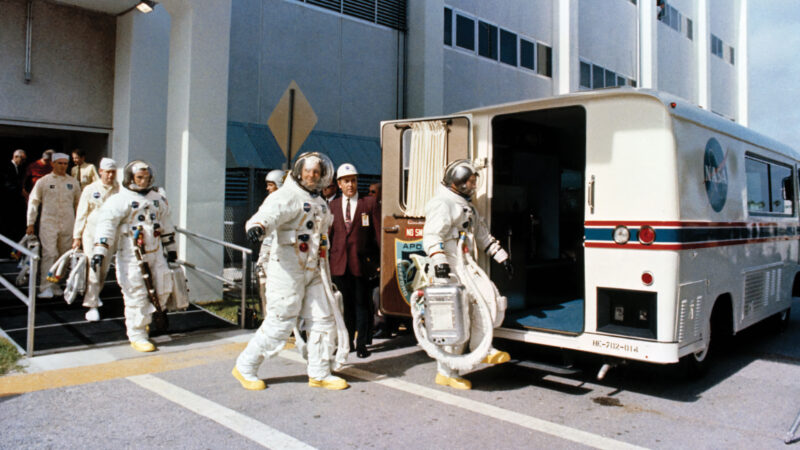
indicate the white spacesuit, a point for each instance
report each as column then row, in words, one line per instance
column 92, row 197
column 53, row 200
column 137, row 217
column 300, row 219
column 447, row 214
column 274, row 180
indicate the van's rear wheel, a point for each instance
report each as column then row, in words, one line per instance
column 780, row 321
column 696, row 364
column 717, row 333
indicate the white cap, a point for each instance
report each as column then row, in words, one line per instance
column 346, row 169
column 57, row 156
column 108, row 164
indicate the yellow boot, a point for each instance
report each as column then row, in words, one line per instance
column 453, row 382
column 331, row 382
column 143, row 346
column 496, row 357
column 252, row 385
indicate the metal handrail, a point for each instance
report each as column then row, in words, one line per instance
column 246, row 252
column 31, row 297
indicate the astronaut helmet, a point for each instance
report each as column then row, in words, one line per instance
column 458, row 173
column 131, row 169
column 275, row 176
column 313, row 182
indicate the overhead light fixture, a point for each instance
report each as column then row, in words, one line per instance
column 146, row 6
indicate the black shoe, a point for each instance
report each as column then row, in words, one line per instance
column 382, row 334
column 363, row 353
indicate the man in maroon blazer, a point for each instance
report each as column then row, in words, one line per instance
column 354, row 254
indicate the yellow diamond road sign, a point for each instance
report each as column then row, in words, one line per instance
column 292, row 120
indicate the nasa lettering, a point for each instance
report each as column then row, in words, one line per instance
column 715, row 174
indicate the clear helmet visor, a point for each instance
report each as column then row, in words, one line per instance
column 313, row 171
column 129, row 175
column 462, row 176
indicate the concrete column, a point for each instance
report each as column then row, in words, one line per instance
column 703, row 52
column 196, row 131
column 140, row 89
column 648, row 45
column 742, row 81
column 425, row 58
column 565, row 47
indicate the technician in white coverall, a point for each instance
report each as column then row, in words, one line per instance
column 92, row 197
column 300, row 219
column 53, row 199
column 447, row 214
column 274, row 181
column 137, row 216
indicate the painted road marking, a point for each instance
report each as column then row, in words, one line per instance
column 239, row 423
column 18, row 384
column 494, row 412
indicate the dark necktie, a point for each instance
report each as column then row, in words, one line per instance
column 347, row 222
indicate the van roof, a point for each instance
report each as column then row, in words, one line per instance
column 676, row 106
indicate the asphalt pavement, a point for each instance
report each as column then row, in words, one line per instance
column 183, row 396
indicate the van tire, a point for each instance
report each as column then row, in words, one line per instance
column 780, row 321
column 717, row 335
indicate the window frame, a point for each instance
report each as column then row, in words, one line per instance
column 474, row 20
column 769, row 163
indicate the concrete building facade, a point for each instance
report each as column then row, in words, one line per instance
column 168, row 86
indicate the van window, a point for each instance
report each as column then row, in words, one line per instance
column 770, row 187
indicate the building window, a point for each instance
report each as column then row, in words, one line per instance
column 598, row 77
column 508, row 48
column 593, row 76
column 689, row 29
column 448, row 26
column 732, row 59
column 716, row 46
column 390, row 13
column 487, row 40
column 465, row 32
column 544, row 55
column 527, row 50
column 586, row 75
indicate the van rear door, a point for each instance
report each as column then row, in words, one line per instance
column 403, row 143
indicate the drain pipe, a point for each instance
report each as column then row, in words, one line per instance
column 28, row 42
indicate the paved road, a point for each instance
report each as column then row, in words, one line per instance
column 184, row 397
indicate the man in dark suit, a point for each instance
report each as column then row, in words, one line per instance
column 13, row 202
column 354, row 254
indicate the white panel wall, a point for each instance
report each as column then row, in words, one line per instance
column 347, row 69
column 72, row 65
column 677, row 55
column 723, row 23
column 607, row 35
column 471, row 80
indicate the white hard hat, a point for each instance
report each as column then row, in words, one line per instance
column 346, row 169
column 107, row 164
column 276, row 176
column 57, row 156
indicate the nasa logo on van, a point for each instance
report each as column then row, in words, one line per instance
column 715, row 174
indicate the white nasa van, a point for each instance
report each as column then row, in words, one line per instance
column 640, row 227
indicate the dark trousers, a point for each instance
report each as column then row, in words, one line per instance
column 357, row 307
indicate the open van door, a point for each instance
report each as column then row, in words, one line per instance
column 415, row 153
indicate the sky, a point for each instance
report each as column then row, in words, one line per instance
column 774, row 69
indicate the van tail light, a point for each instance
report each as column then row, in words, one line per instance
column 647, row 235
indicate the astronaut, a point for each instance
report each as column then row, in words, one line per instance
column 53, row 200
column 274, row 181
column 300, row 219
column 447, row 214
column 92, row 197
column 137, row 218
